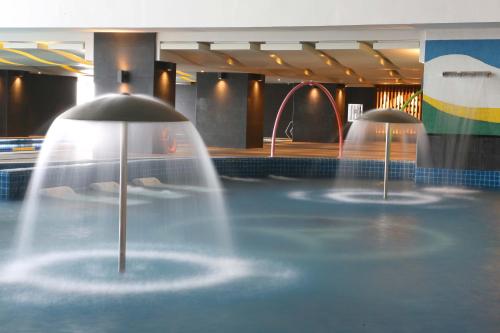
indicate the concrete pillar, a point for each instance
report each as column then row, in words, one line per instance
column 134, row 53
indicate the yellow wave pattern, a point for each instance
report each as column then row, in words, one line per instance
column 8, row 62
column 40, row 60
column 71, row 56
column 491, row 115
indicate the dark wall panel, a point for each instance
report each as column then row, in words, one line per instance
column 3, row 103
column 309, row 108
column 222, row 108
column 273, row 97
column 134, row 52
column 361, row 95
column 185, row 100
column 164, row 81
column 255, row 114
column 31, row 101
column 459, row 152
column 313, row 117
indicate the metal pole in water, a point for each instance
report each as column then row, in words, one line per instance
column 387, row 156
column 122, row 236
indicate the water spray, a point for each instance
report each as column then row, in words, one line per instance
column 388, row 117
column 124, row 109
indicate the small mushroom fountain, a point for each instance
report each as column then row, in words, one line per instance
column 388, row 116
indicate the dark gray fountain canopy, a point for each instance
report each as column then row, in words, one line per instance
column 392, row 116
column 124, row 108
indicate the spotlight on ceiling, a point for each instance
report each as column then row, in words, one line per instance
column 221, row 76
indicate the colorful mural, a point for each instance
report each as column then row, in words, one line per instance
column 467, row 104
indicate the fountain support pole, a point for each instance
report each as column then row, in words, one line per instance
column 122, row 236
column 387, row 158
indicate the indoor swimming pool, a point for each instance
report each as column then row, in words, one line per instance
column 301, row 255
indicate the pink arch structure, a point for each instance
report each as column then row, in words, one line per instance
column 285, row 101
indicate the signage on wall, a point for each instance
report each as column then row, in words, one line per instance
column 354, row 111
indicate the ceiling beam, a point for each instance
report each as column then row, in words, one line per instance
column 390, row 45
column 234, row 46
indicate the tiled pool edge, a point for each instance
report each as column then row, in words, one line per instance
column 471, row 178
column 14, row 178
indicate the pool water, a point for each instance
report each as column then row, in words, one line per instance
column 306, row 256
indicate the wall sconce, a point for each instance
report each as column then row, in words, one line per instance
column 257, row 77
column 18, row 74
column 221, row 76
column 170, row 66
column 123, row 76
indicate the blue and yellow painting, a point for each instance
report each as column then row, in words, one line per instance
column 462, row 105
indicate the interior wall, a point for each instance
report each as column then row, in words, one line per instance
column 361, row 95
column 274, row 94
column 30, row 102
column 452, row 151
column 255, row 113
column 222, row 111
column 3, row 103
column 132, row 52
column 185, row 100
column 309, row 108
column 164, row 81
column 313, row 118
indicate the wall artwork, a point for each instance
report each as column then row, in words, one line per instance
column 462, row 87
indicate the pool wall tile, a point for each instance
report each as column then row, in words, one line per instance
column 14, row 178
column 472, row 178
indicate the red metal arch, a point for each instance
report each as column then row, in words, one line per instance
column 290, row 94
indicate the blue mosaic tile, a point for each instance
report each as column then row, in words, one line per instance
column 14, row 178
column 473, row 178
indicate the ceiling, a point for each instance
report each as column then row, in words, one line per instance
column 342, row 62
column 44, row 58
column 347, row 62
